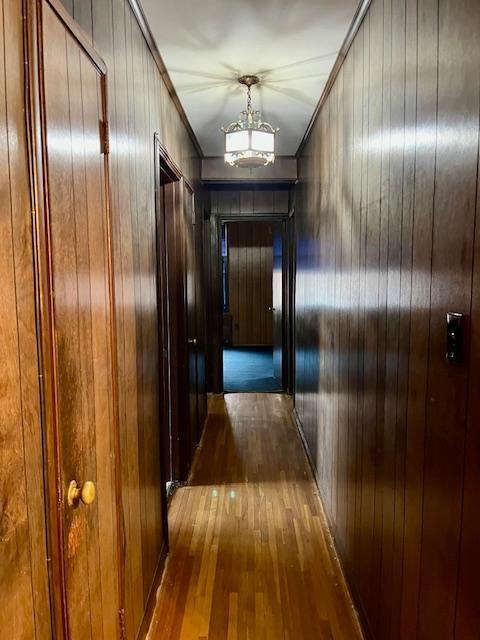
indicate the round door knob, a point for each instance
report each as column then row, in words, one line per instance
column 86, row 493
column 192, row 341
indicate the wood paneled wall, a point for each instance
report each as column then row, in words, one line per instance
column 250, row 267
column 24, row 599
column 230, row 201
column 139, row 106
column 386, row 245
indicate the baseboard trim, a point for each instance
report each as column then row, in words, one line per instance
column 152, row 595
column 159, row 571
column 338, row 554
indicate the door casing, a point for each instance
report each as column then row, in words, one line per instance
column 172, row 189
column 286, row 221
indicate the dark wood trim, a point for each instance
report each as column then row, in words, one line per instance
column 78, row 33
column 342, row 54
column 152, row 595
column 251, row 217
column 190, row 227
column 245, row 185
column 162, row 313
column 169, row 173
column 152, row 45
column 39, row 195
column 119, row 512
column 334, row 538
column 167, row 165
column 250, row 185
column 216, row 220
column 288, row 243
column 157, row 580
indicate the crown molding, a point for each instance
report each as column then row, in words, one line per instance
column 152, row 45
column 351, row 33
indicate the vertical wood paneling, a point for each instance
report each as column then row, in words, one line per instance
column 385, row 227
column 24, row 598
column 82, row 12
column 230, row 201
column 78, row 228
column 139, row 106
column 250, row 264
column 426, row 114
column 467, row 623
column 453, row 234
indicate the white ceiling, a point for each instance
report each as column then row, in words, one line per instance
column 207, row 44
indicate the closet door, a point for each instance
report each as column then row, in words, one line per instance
column 80, row 303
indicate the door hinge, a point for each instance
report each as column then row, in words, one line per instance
column 104, row 137
column 123, row 632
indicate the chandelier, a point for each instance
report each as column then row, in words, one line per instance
column 249, row 142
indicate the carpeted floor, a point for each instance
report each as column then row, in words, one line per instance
column 249, row 369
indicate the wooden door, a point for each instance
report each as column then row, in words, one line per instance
column 277, row 291
column 250, row 259
column 191, row 312
column 200, row 293
column 163, row 331
column 79, row 297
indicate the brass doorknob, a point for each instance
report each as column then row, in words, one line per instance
column 86, row 493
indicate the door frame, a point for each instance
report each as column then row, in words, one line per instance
column 163, row 164
column 177, row 440
column 191, row 341
column 286, row 220
column 44, row 305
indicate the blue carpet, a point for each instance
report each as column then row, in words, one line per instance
column 249, row 369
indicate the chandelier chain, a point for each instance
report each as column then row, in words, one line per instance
column 249, row 100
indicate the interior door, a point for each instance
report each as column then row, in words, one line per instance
column 277, row 291
column 79, row 293
column 191, row 311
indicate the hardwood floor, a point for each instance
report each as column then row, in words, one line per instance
column 250, row 554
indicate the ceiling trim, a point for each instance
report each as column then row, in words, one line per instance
column 352, row 32
column 152, row 45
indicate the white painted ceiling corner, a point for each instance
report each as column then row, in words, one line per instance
column 291, row 45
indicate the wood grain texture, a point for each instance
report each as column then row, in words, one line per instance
column 250, row 264
column 139, row 106
column 250, row 553
column 386, row 224
column 80, row 286
column 24, row 598
column 231, row 200
column 190, row 301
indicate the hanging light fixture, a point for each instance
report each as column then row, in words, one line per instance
column 249, row 142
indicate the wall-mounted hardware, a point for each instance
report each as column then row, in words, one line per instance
column 455, row 329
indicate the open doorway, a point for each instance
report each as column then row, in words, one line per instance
column 178, row 329
column 252, row 282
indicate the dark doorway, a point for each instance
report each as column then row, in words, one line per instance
column 177, row 296
column 251, row 299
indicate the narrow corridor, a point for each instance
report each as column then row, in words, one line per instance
column 250, row 555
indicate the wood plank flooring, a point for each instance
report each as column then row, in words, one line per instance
column 250, row 554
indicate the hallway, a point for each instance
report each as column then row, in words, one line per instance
column 186, row 185
column 250, row 556
column 249, row 369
